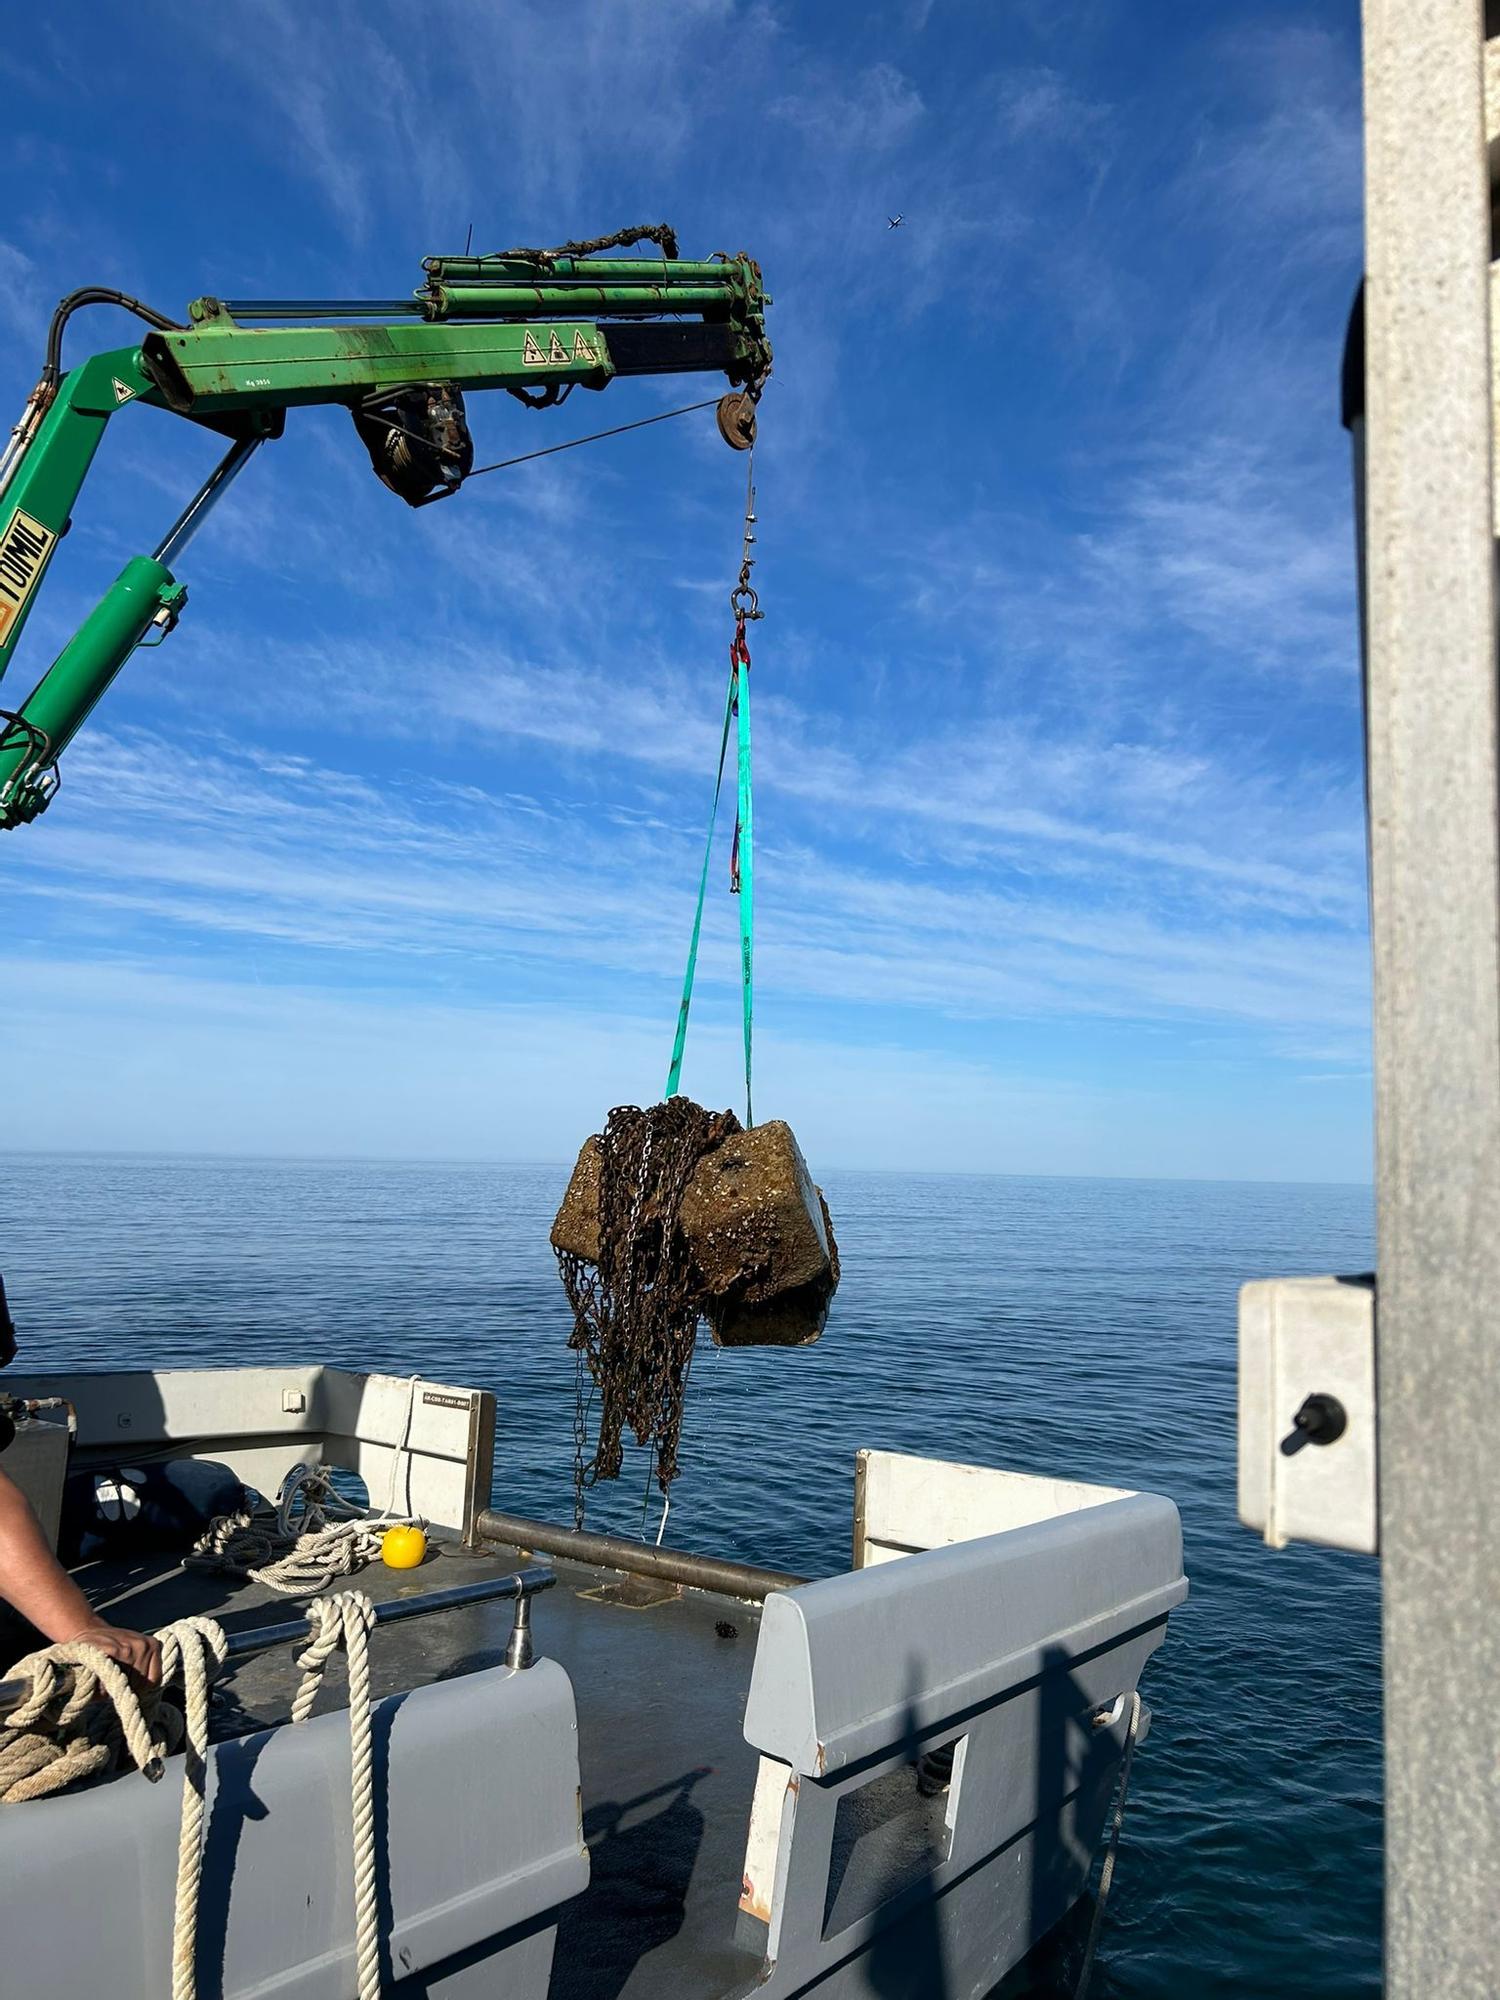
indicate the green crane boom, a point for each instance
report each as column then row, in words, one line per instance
column 535, row 323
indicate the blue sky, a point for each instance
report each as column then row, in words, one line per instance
column 391, row 848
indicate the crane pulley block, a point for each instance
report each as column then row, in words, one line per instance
column 418, row 441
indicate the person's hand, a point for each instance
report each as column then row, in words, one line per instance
column 136, row 1650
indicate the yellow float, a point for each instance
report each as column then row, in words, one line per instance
column 402, row 1547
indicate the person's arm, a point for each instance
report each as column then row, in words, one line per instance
column 37, row 1585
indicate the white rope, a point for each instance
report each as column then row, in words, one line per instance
column 83, row 1711
column 402, row 1456
column 270, row 1548
column 344, row 1620
column 314, row 1487
column 1107, row 1873
column 236, row 1545
column 188, row 1645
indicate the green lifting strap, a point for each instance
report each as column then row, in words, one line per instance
column 736, row 703
column 744, row 847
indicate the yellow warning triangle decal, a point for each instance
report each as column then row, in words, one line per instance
column 531, row 355
column 558, row 354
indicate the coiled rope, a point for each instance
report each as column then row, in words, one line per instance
column 82, row 1714
column 296, row 1554
column 83, row 1711
column 293, row 1566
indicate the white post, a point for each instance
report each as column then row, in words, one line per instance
column 1436, row 919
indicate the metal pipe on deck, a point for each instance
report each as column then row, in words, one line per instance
column 522, row 1586
column 728, row 1579
column 519, row 1586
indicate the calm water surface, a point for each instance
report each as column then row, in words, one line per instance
column 1084, row 1328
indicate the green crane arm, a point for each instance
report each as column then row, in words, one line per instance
column 535, row 323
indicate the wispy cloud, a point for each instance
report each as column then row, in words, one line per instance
column 876, row 107
column 1290, row 160
column 153, row 1073
column 22, row 294
column 317, row 861
column 1216, row 540
column 1040, row 103
column 1056, row 697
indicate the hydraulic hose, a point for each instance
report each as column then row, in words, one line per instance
column 96, row 295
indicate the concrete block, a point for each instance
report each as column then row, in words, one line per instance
column 757, row 1227
column 754, row 1218
column 575, row 1229
column 793, row 1318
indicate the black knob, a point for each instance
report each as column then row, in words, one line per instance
column 1321, row 1420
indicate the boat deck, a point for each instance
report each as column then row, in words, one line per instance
column 660, row 1679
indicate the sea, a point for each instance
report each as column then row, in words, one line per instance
column 1084, row 1328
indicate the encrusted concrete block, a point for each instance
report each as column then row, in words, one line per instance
column 758, row 1230
column 791, row 1319
column 754, row 1218
column 576, row 1227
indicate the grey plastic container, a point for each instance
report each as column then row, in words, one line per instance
column 478, row 1829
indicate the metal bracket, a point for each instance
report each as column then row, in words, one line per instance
column 1307, row 1435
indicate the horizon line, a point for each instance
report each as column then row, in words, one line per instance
column 564, row 1165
